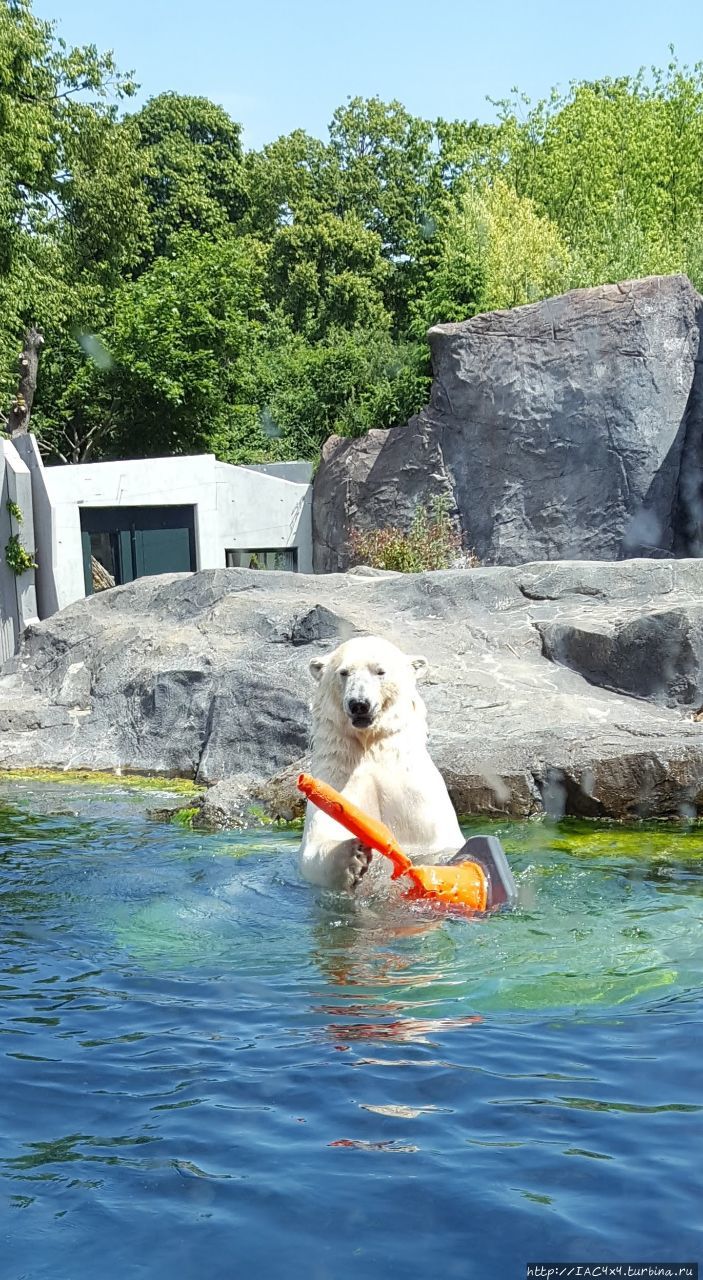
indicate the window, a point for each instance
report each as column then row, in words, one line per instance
column 123, row 543
column 284, row 558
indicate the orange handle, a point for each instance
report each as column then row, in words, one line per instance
column 372, row 832
column 460, row 885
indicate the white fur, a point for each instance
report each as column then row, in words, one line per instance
column 384, row 768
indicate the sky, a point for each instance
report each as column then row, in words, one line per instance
column 278, row 66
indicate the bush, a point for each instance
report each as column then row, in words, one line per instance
column 433, row 542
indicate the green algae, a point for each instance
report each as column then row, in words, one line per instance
column 138, row 781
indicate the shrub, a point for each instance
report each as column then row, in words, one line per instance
column 17, row 557
column 433, row 542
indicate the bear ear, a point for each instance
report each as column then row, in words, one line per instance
column 419, row 666
column 317, row 666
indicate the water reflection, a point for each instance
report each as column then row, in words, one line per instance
column 359, row 949
column 403, row 1027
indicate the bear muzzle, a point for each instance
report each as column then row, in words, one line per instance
column 360, row 712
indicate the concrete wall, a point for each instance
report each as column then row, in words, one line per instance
column 18, row 603
column 48, row 573
column 235, row 507
column 135, row 483
column 9, row 623
column 259, row 511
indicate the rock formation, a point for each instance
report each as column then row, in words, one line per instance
column 567, row 429
column 569, row 686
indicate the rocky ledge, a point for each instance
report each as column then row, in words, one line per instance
column 573, row 686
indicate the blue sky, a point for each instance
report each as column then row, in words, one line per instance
column 278, row 66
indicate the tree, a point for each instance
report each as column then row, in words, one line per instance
column 195, row 297
column 345, row 384
column 193, row 173
column 74, row 416
column 616, row 165
column 385, row 157
column 467, row 153
column 18, row 420
column 57, row 128
column 493, row 251
column 187, row 345
column 328, row 272
column 387, row 163
column 104, row 221
column 294, row 177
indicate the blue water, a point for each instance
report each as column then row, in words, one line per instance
column 211, row 1071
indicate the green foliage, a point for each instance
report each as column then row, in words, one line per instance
column 48, row 95
column 70, row 212
column 386, row 158
column 345, row 384
column 328, row 272
column 433, row 542
column 186, row 344
column 16, row 512
column 618, row 166
column 17, row 557
column 107, row 220
column 295, row 176
column 194, row 297
column 73, row 415
column 192, row 168
column 492, row 251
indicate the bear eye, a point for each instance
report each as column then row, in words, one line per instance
column 344, row 673
column 379, row 671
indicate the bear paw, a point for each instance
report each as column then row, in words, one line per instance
column 359, row 861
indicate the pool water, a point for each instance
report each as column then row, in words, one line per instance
column 211, row 1070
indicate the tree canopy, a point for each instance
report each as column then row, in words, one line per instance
column 194, row 296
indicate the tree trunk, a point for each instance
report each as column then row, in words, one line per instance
column 18, row 421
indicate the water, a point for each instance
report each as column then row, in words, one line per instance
column 209, row 1070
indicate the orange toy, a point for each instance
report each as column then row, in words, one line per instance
column 465, row 884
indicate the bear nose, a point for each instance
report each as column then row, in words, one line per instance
column 359, row 706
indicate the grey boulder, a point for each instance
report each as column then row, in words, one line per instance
column 568, row 429
column 571, row 687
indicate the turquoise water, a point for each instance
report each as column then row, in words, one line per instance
column 209, row 1070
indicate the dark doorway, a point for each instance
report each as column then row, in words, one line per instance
column 124, row 543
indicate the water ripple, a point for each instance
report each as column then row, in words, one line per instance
column 206, row 1065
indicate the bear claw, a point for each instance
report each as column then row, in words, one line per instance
column 359, row 863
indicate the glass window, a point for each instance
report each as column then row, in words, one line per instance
column 285, row 558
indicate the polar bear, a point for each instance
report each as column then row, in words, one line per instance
column 370, row 742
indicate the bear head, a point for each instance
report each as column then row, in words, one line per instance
column 368, row 685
